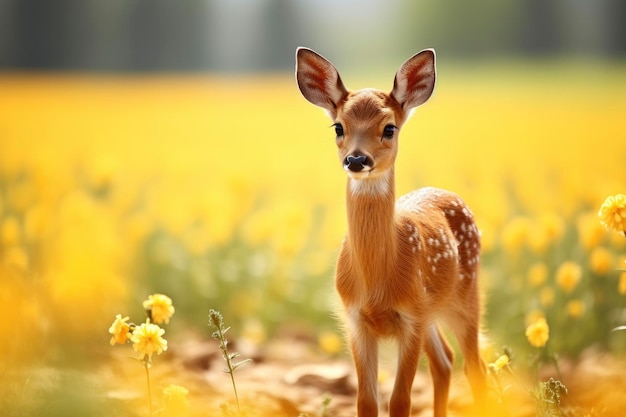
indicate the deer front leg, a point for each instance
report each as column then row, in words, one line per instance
column 408, row 359
column 364, row 346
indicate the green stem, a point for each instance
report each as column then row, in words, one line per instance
column 232, row 378
column 231, row 370
column 555, row 360
column 147, row 367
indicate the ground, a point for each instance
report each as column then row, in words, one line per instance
column 289, row 377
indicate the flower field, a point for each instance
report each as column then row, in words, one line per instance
column 226, row 192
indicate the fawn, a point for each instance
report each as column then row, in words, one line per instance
column 402, row 265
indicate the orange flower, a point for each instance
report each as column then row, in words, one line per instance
column 120, row 330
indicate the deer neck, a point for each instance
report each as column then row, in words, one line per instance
column 371, row 225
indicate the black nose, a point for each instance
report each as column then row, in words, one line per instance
column 355, row 163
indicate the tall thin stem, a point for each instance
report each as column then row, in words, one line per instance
column 232, row 378
column 229, row 364
column 146, row 365
column 216, row 320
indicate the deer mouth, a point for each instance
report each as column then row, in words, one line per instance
column 365, row 172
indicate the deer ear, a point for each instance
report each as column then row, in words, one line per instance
column 319, row 80
column 415, row 80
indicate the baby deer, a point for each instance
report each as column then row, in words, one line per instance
column 402, row 265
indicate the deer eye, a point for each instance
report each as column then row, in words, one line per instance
column 338, row 129
column 388, row 131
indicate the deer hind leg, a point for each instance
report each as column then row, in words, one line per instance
column 440, row 359
column 466, row 327
column 475, row 368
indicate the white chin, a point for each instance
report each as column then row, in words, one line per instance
column 358, row 175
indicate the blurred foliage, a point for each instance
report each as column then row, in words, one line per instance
column 226, row 193
column 244, row 35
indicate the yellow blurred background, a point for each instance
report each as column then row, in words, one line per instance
column 108, row 184
column 128, row 167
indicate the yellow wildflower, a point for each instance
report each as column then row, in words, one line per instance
column 533, row 316
column 538, row 333
column 568, row 276
column 515, row 234
column 575, row 308
column 175, row 400
column 601, row 261
column 330, row 342
column 546, row 230
column 546, row 296
column 160, row 308
column 612, row 213
column 501, row 362
column 120, row 330
column 147, row 339
column 590, row 231
column 537, row 274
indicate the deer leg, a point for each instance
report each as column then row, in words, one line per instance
column 364, row 346
column 475, row 368
column 465, row 325
column 408, row 359
column 440, row 358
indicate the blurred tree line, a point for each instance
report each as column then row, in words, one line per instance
column 253, row 35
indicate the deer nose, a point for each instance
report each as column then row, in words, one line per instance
column 355, row 163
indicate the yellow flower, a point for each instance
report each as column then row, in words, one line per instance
column 175, row 400
column 590, row 231
column 546, row 230
column 575, row 308
column 621, row 287
column 568, row 276
column 147, row 339
column 330, row 342
column 546, row 296
column 501, row 362
column 538, row 333
column 537, row 274
column 160, row 308
column 120, row 330
column 612, row 213
column 515, row 234
column 533, row 316
column 601, row 261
